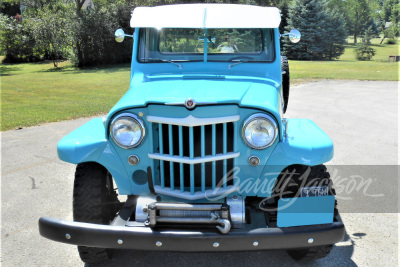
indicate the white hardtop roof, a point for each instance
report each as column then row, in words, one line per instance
column 211, row 16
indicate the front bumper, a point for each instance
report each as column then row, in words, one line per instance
column 144, row 238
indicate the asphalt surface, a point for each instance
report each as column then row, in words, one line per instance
column 360, row 117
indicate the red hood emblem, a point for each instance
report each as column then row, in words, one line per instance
column 190, row 104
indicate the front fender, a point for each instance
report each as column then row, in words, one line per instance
column 305, row 144
column 89, row 144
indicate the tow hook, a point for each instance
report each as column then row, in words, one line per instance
column 226, row 224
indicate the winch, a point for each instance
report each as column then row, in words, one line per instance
column 227, row 215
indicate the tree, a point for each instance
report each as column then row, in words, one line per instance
column 323, row 33
column 393, row 30
column 364, row 51
column 358, row 17
column 94, row 34
column 16, row 41
column 335, row 34
column 52, row 30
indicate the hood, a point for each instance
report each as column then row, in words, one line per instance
column 263, row 94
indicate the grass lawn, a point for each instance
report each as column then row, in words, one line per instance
column 35, row 93
column 346, row 67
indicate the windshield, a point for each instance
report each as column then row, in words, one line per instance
column 223, row 45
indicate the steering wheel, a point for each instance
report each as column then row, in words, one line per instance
column 241, row 57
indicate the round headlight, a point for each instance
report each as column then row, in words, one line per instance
column 127, row 130
column 259, row 131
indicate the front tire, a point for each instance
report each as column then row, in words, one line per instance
column 316, row 175
column 94, row 201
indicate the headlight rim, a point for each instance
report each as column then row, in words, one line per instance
column 263, row 116
column 130, row 116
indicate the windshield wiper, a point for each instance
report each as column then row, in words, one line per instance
column 162, row 60
column 241, row 61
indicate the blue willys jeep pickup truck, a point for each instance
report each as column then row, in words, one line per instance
column 198, row 148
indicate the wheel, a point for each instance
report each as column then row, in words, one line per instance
column 285, row 82
column 316, row 175
column 94, row 201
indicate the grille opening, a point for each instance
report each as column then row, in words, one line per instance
column 219, row 138
column 197, row 141
column 197, row 175
column 186, row 144
column 175, row 131
column 229, row 130
column 165, row 138
column 208, row 139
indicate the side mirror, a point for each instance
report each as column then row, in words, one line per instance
column 294, row 36
column 120, row 35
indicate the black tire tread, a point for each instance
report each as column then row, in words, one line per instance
column 91, row 204
column 285, row 82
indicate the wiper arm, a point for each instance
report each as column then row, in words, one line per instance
column 239, row 62
column 162, row 60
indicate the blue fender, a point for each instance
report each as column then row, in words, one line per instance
column 305, row 144
column 89, row 144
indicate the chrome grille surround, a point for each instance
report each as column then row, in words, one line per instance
column 193, row 155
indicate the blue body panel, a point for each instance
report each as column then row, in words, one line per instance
column 305, row 211
column 88, row 144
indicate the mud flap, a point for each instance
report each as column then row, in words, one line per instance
column 305, row 211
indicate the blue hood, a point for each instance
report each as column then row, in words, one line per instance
column 262, row 94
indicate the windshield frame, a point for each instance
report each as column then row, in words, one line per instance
column 210, row 56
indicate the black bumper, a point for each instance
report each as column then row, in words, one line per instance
column 144, row 238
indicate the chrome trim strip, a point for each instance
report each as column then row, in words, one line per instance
column 210, row 193
column 183, row 103
column 197, row 160
column 191, row 121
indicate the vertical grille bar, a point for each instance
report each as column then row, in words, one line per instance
column 225, row 137
column 171, row 153
column 235, row 140
column 203, row 169
column 161, row 145
column 191, row 155
column 214, row 148
column 181, row 155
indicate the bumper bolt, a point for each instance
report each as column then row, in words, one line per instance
column 216, row 244
column 310, row 241
column 158, row 243
column 120, row 241
column 255, row 243
column 68, row 236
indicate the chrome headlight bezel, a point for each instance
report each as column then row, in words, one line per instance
column 265, row 117
column 133, row 118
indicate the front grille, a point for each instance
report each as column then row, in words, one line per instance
column 194, row 158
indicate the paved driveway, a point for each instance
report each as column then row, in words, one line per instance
column 360, row 117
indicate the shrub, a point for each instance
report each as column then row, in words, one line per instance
column 391, row 41
column 364, row 52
